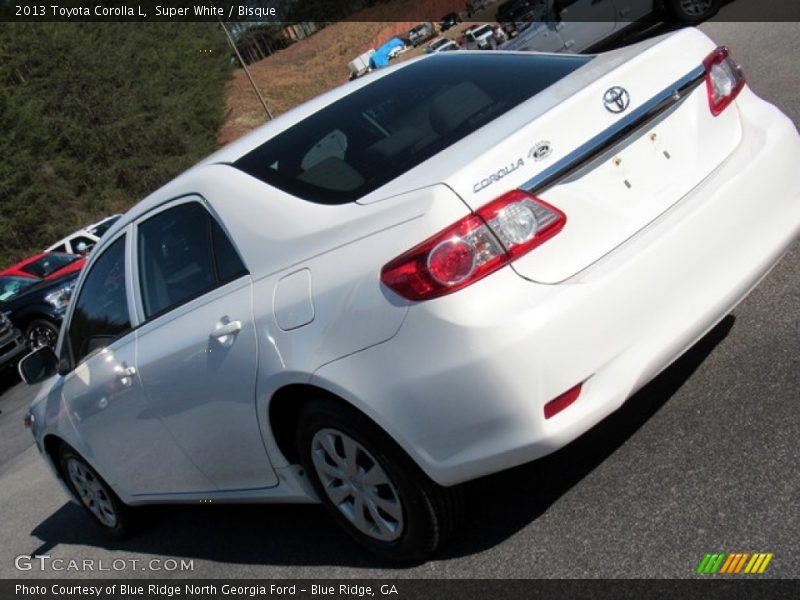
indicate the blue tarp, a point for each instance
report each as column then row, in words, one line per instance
column 381, row 56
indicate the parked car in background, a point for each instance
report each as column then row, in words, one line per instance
column 474, row 6
column 386, row 52
column 590, row 25
column 360, row 65
column 521, row 17
column 457, row 267
column 448, row 21
column 441, row 45
column 504, row 9
column 83, row 240
column 47, row 265
column 481, row 36
column 421, row 33
column 12, row 343
column 37, row 308
column 509, row 15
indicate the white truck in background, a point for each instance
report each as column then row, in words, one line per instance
column 360, row 65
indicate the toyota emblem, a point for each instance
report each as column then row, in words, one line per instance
column 616, row 99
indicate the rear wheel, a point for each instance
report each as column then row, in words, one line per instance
column 40, row 333
column 371, row 487
column 101, row 503
column 692, row 11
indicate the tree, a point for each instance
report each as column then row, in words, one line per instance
column 94, row 116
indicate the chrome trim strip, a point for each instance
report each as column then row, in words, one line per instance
column 617, row 132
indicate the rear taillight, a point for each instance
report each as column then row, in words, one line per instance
column 556, row 405
column 473, row 247
column 724, row 79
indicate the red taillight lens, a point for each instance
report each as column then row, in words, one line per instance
column 556, row 405
column 475, row 246
column 724, row 79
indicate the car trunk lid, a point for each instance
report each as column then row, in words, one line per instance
column 634, row 136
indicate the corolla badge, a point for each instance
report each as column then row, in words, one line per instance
column 616, row 99
column 540, row 151
column 497, row 175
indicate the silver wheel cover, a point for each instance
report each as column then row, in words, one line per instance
column 357, row 485
column 93, row 493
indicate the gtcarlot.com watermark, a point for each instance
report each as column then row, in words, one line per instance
column 44, row 562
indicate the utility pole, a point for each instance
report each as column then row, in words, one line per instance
column 246, row 70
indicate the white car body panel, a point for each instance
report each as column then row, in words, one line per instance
column 603, row 209
column 459, row 381
column 495, row 354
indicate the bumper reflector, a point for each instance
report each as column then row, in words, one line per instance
column 556, row 405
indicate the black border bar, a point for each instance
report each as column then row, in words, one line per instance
column 295, row 11
column 707, row 588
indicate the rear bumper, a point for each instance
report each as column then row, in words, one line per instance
column 462, row 385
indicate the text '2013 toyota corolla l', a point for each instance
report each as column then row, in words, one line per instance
column 434, row 273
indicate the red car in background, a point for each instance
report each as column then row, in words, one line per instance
column 47, row 265
column 34, row 294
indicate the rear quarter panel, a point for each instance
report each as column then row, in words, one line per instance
column 339, row 250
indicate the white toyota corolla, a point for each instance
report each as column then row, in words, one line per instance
column 437, row 272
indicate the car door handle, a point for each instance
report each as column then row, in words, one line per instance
column 125, row 375
column 226, row 329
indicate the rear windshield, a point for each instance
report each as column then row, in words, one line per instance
column 366, row 139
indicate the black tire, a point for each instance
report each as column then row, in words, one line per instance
column 41, row 332
column 430, row 512
column 692, row 11
column 96, row 488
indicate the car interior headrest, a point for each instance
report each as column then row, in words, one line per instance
column 450, row 108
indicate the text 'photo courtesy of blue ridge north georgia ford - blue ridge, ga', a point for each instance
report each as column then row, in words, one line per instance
column 361, row 287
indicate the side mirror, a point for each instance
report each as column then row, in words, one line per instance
column 38, row 365
column 82, row 248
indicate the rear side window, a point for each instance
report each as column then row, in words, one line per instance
column 382, row 130
column 182, row 254
column 101, row 311
column 227, row 262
